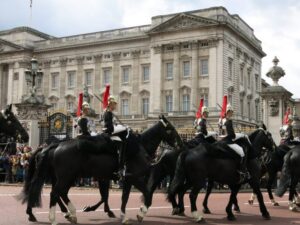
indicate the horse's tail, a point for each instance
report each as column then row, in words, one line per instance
column 37, row 174
column 23, row 196
column 285, row 175
column 179, row 176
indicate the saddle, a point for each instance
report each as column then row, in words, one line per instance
column 220, row 150
column 98, row 144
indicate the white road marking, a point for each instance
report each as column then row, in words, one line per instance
column 127, row 209
column 256, row 203
column 76, row 194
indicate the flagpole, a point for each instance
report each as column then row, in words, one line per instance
column 30, row 19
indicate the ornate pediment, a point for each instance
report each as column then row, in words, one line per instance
column 183, row 21
column 6, row 46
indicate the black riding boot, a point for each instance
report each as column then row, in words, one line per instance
column 244, row 173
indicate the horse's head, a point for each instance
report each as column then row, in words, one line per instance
column 11, row 126
column 263, row 138
column 169, row 134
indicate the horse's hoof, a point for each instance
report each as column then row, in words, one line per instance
column 293, row 208
column 72, row 219
column 181, row 214
column 87, row 209
column 200, row 220
column 250, row 202
column 175, row 211
column 32, row 218
column 266, row 216
column 206, row 211
column 111, row 214
column 275, row 204
column 237, row 210
column 126, row 222
column 231, row 218
column 139, row 218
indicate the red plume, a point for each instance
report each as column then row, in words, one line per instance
column 224, row 105
column 286, row 116
column 199, row 112
column 105, row 97
column 79, row 107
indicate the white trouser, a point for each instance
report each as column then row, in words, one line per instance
column 238, row 149
column 119, row 128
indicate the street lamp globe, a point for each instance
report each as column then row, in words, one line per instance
column 34, row 64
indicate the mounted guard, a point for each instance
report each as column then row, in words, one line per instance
column 230, row 139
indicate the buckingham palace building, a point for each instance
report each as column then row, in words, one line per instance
column 163, row 67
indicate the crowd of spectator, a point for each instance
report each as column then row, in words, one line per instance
column 14, row 161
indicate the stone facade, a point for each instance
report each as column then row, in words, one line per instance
column 163, row 67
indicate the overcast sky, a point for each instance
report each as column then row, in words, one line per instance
column 275, row 22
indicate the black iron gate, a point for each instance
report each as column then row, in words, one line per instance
column 57, row 126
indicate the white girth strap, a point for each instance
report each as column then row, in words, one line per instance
column 238, row 149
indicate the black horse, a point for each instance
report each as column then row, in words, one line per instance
column 290, row 176
column 272, row 163
column 260, row 140
column 198, row 164
column 74, row 159
column 10, row 126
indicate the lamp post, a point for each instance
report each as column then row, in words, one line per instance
column 34, row 73
column 31, row 76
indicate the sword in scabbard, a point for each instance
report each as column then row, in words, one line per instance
column 99, row 99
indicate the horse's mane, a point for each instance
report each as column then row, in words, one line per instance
column 253, row 135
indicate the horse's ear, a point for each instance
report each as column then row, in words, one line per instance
column 9, row 107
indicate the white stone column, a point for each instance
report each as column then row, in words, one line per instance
column 10, row 83
column 62, row 83
column 116, row 76
column 155, row 80
column 46, row 78
column 215, row 71
column 135, row 82
column 195, row 75
column 98, row 82
column 176, row 78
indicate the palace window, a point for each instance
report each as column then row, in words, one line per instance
column 256, row 82
column 204, row 67
column 169, row 103
column 106, row 76
column 88, row 78
column 256, row 111
column 70, row 106
column 145, row 106
column 186, row 102
column 71, row 79
column 146, row 73
column 169, row 70
column 186, row 68
column 241, row 75
column 230, row 69
column 249, row 80
column 125, row 75
column 54, row 80
column 125, row 107
column 242, row 106
column 205, row 99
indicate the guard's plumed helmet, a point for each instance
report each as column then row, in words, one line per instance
column 205, row 110
column 85, row 105
column 229, row 108
column 112, row 99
